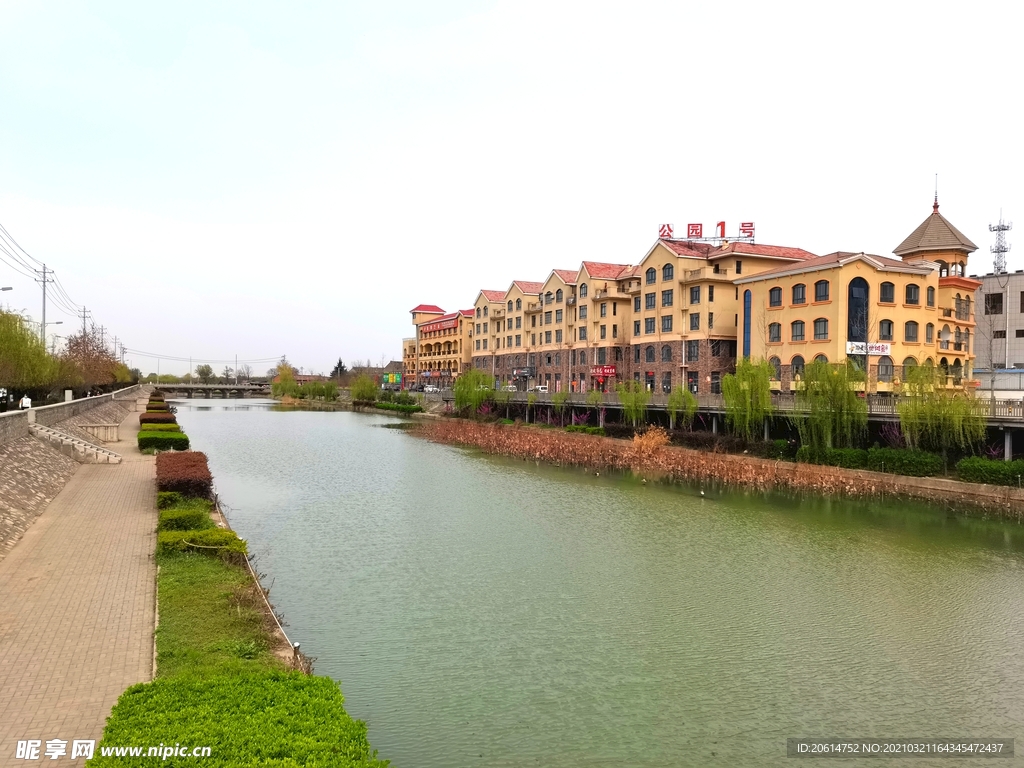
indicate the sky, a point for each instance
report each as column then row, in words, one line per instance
column 250, row 179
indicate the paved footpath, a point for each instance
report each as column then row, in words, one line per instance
column 77, row 599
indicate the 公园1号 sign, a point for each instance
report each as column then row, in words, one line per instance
column 868, row 348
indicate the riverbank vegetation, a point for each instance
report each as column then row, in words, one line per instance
column 27, row 367
column 163, row 436
column 219, row 682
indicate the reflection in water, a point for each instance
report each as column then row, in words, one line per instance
column 489, row 612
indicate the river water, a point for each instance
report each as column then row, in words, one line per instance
column 480, row 611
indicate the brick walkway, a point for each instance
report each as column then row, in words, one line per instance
column 77, row 604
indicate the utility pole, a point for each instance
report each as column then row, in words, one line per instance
column 43, row 279
column 236, row 370
column 85, row 314
column 999, row 251
column 103, row 333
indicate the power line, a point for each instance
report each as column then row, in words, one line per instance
column 177, row 359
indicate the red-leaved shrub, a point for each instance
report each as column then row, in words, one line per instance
column 157, row 418
column 186, row 472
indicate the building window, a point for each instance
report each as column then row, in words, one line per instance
column 583, row 357
column 666, row 354
column 666, row 324
column 929, row 333
column 885, row 330
column 581, row 334
column 519, row 340
column 652, row 276
column 547, row 319
column 508, row 341
column 695, row 294
column 649, row 325
column 558, row 296
column 649, row 300
column 993, row 303
column 636, row 303
column 739, row 267
column 910, row 331
column 533, row 321
column 478, row 311
column 931, row 296
column 885, row 368
column 519, row 305
column 485, row 324
column 533, row 339
column 583, row 291
column 711, row 321
column 711, row 293
column 485, row 311
column 716, row 383
column 558, row 315
column 887, row 293
column 602, row 356
column 636, row 327
column 776, row 365
column 583, row 313
column 667, row 272
column 821, row 290
column 913, row 294
column 999, row 334
column 478, row 343
column 695, row 321
column 636, row 354
column 604, row 309
column 820, row 359
column 666, row 382
column 618, row 354
column 604, row 331
column 775, row 297
column 615, row 331
column 693, row 351
column 649, row 354
column 821, row 328
column 547, row 337
column 666, row 298
column 799, row 293
column 510, row 306
column 558, row 336
column 796, row 330
column 797, row 365
column 775, row 332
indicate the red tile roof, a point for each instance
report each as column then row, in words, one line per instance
column 467, row 312
column 834, row 260
column 688, row 248
column 774, row 251
column 427, row 308
column 527, row 286
column 601, row 271
column 493, row 295
column 568, row 275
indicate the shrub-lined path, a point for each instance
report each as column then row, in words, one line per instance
column 77, row 604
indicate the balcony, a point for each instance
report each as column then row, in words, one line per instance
column 704, row 273
column 498, row 312
column 571, row 300
column 534, row 306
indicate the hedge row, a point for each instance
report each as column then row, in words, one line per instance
column 186, row 515
column 585, row 429
column 978, row 470
column 901, row 461
column 398, row 407
column 163, row 441
column 211, row 541
column 186, row 472
column 162, row 428
column 157, row 418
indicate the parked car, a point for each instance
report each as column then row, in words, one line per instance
column 541, row 388
column 510, row 388
column 430, row 388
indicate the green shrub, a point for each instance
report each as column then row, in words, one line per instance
column 162, row 428
column 190, row 515
column 157, row 418
column 273, row 718
column 364, row 388
column 399, row 408
column 904, row 461
column 975, row 469
column 187, row 472
column 215, row 541
column 847, row 458
column 159, row 406
column 168, row 499
column 163, row 441
column 584, row 429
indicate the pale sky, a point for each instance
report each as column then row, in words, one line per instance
column 253, row 179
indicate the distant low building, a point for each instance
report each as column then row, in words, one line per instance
column 301, row 379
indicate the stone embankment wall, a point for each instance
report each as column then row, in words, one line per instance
column 557, row 447
column 52, row 415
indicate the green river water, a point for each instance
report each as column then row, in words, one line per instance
column 480, row 611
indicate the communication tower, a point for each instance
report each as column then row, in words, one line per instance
column 1000, row 249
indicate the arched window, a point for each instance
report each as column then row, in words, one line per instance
column 967, row 340
column 959, row 337
column 478, row 311
column 885, row 330
column 821, row 328
column 668, row 272
column 910, row 331
column 857, row 312
column 558, row 296
column 796, row 330
column 821, row 290
column 929, row 333
column 776, row 365
column 931, row 296
column 909, row 362
column 652, row 275
column 887, row 293
column 519, row 304
column 485, row 311
column 943, row 269
column 649, row 355
column 774, row 333
column 885, row 368
column 666, row 354
column 583, row 357
column 957, row 371
column 930, row 363
column 820, row 359
column 583, row 291
column 510, row 306
column 799, row 293
column 775, row 297
column 913, row 294
column 797, row 364
column 547, row 297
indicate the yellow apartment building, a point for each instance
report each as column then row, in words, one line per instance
column 880, row 313
column 442, row 345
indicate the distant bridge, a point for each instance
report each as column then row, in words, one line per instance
column 216, row 390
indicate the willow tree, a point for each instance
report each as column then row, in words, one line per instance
column 24, row 363
column 681, row 405
column 558, row 401
column 595, row 399
column 473, row 389
column 935, row 418
column 748, row 397
column 634, row 398
column 834, row 415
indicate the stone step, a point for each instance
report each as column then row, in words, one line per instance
column 74, row 447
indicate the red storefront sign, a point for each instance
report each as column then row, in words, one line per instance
column 440, row 325
column 602, row 371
